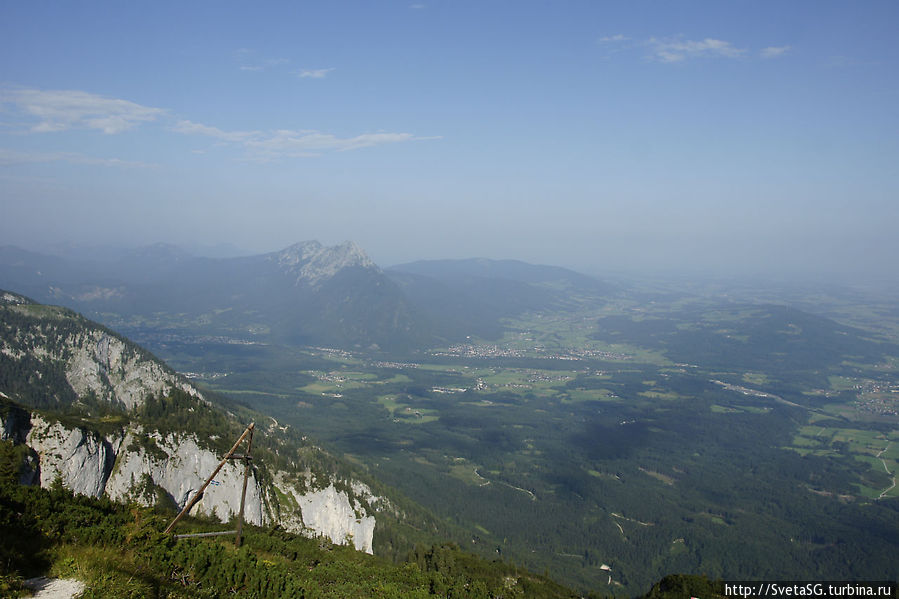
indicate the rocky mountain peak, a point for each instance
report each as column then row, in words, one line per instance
column 7, row 297
column 312, row 263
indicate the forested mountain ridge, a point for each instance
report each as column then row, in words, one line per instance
column 106, row 418
column 53, row 357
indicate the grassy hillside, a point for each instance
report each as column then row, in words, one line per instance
column 119, row 551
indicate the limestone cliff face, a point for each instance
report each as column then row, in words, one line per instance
column 330, row 511
column 82, row 460
column 333, row 513
column 104, row 365
column 179, row 467
column 123, row 468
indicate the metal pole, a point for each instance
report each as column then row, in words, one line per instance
column 247, row 458
column 199, row 495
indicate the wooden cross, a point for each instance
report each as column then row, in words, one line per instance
column 247, row 458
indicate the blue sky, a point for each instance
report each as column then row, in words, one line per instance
column 721, row 136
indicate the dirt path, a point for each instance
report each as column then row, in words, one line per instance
column 884, row 462
column 487, row 482
column 614, row 515
column 530, row 494
column 55, row 588
column 478, row 474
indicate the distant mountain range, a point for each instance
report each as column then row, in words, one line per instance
column 306, row 294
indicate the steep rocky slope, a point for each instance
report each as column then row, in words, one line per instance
column 105, row 417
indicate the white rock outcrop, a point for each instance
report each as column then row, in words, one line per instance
column 80, row 459
column 124, row 468
column 106, row 367
column 331, row 513
column 181, row 473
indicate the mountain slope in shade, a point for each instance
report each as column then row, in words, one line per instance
column 512, row 270
column 473, row 295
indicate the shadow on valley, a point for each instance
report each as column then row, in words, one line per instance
column 602, row 440
column 775, row 339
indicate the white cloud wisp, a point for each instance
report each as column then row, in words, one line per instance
column 774, row 51
column 314, row 73
column 678, row 50
column 55, row 111
column 191, row 128
column 297, row 144
column 287, row 143
column 13, row 157
column 61, row 110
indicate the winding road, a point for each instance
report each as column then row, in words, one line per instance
column 884, row 462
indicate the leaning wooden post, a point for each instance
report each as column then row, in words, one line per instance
column 199, row 495
column 247, row 458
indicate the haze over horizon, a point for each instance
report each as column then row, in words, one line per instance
column 727, row 138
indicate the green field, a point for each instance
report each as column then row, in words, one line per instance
column 874, row 451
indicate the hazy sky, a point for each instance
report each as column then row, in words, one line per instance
column 760, row 135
